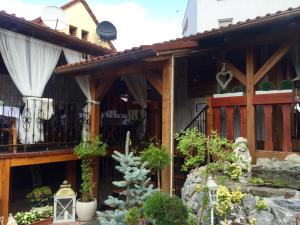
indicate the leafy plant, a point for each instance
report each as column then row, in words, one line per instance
column 256, row 181
column 223, row 91
column 88, row 151
column 133, row 216
column 32, row 216
column 234, row 171
column 266, row 86
column 164, row 209
column 196, row 148
column 238, row 88
column 286, row 85
column 261, row 204
column 40, row 196
column 157, row 158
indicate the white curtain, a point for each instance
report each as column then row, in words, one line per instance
column 30, row 63
column 84, row 84
column 137, row 85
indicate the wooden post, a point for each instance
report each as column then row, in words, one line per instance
column 71, row 173
column 230, row 122
column 4, row 188
column 243, row 116
column 166, row 120
column 268, row 109
column 95, row 130
column 217, row 119
column 287, row 128
column 250, row 106
column 209, row 116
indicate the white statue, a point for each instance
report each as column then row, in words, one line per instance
column 242, row 153
column 11, row 220
column 1, row 220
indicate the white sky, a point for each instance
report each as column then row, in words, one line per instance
column 136, row 25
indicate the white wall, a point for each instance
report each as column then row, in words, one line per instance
column 209, row 11
column 190, row 18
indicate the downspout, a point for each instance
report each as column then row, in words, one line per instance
column 172, row 127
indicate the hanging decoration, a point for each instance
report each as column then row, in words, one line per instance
column 227, row 77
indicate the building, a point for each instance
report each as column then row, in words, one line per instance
column 179, row 77
column 82, row 22
column 202, row 15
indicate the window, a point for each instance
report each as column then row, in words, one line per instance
column 73, row 31
column 84, row 35
column 225, row 22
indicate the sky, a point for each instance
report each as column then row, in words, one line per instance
column 138, row 21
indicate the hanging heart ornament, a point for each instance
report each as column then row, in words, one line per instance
column 227, row 77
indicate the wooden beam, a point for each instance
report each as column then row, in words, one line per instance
column 240, row 76
column 41, row 159
column 70, row 173
column 166, row 120
column 95, row 130
column 273, row 60
column 154, row 80
column 209, row 116
column 103, row 87
column 230, row 122
column 128, row 69
column 287, row 128
column 268, row 144
column 4, row 188
column 249, row 99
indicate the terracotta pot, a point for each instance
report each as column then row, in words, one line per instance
column 86, row 211
column 43, row 222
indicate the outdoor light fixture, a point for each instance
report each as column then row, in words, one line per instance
column 296, row 93
column 64, row 204
column 212, row 191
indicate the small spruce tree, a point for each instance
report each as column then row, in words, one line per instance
column 136, row 187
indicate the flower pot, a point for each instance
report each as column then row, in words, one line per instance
column 235, row 94
column 43, row 222
column 272, row 92
column 86, row 211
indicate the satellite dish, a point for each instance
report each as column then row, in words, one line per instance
column 106, row 31
column 54, row 18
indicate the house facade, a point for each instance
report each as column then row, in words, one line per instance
column 202, row 15
column 82, row 22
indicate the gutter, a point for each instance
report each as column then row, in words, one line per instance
column 91, row 66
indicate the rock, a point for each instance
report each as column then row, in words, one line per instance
column 263, row 217
column 298, row 218
column 249, row 201
column 282, row 216
column 286, row 172
column 293, row 205
column 272, row 192
column 190, row 194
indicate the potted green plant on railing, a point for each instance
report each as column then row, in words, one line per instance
column 267, row 87
column 88, row 151
column 157, row 158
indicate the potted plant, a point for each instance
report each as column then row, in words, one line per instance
column 40, row 216
column 88, row 151
column 157, row 158
column 267, row 87
column 40, row 196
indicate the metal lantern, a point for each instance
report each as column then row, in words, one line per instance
column 64, row 204
column 212, row 191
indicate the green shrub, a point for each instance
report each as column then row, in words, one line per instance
column 265, row 86
column 223, row 91
column 157, row 158
column 88, row 151
column 32, row 216
column 256, row 181
column 40, row 196
column 261, row 204
column 133, row 216
column 286, row 85
column 238, row 88
column 164, row 209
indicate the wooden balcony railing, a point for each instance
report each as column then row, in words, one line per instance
column 277, row 123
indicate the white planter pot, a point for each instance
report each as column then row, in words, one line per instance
column 235, row 94
column 86, row 211
column 272, row 92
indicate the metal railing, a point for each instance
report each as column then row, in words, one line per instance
column 37, row 124
column 199, row 121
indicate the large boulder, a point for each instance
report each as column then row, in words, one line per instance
column 285, row 171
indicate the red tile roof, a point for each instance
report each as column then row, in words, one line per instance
column 20, row 25
column 191, row 41
column 68, row 5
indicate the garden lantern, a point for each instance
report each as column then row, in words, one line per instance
column 64, row 204
column 212, row 191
